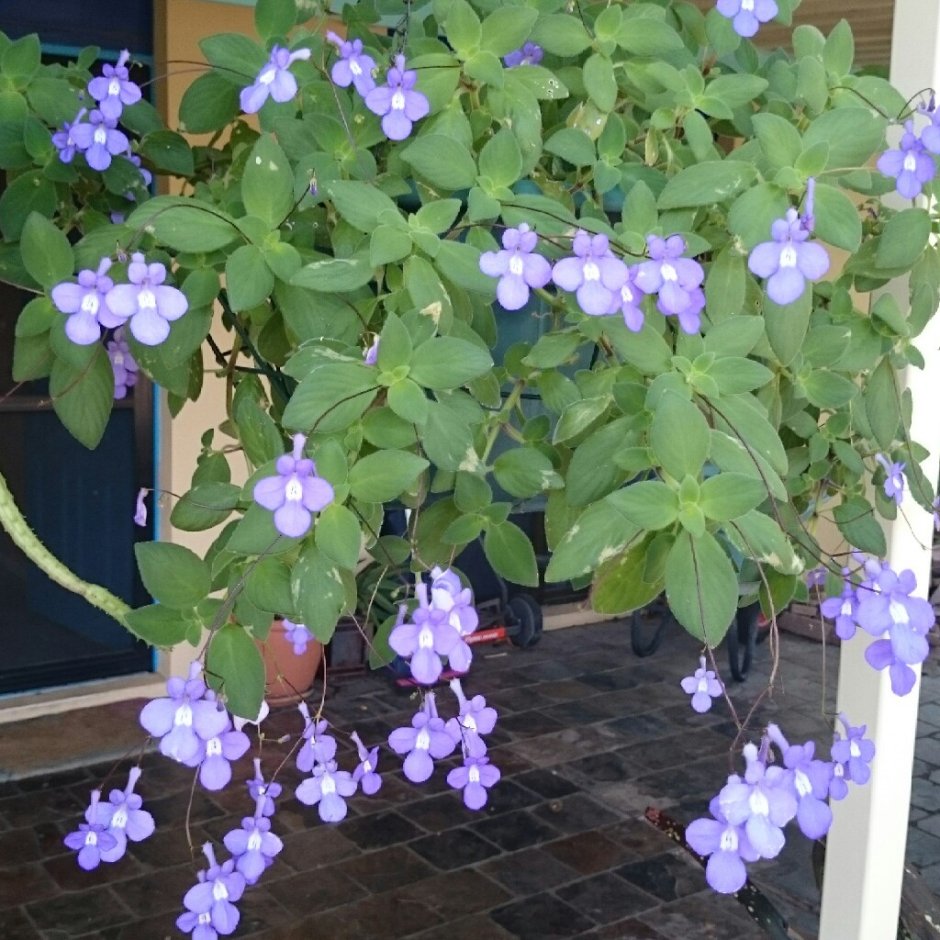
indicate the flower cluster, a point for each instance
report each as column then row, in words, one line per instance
column 882, row 605
column 146, row 305
column 275, row 80
column 437, row 628
column 912, row 163
column 603, row 284
column 749, row 813
column 210, row 903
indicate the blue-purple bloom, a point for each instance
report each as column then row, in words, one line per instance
column 215, row 756
column 851, row 757
column 675, row 280
column 274, row 79
column 365, row 773
column 140, row 508
column 595, row 274
column 297, row 635
column 910, row 164
column 326, row 790
column 254, row 845
column 475, row 777
column 99, row 140
column 424, row 742
column 113, row 89
column 894, row 478
column 531, row 53
column 210, row 904
column 747, row 15
column 295, row 493
column 371, row 356
column 449, row 594
column 123, row 364
column 789, row 261
column 703, row 685
column 809, row 779
column 92, row 839
column 627, row 302
column 726, row 846
column 843, row 609
column 475, row 718
column 319, row 747
column 258, row 789
column 147, row 302
column 397, row 102
column 353, row 67
column 124, row 817
column 517, row 266
column 64, row 142
column 86, row 304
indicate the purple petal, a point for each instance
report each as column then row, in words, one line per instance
column 333, row 807
column 813, row 817
column 512, row 292
column 284, row 86
column 292, row 519
column 171, row 302
column 568, row 273
column 396, row 125
column 785, row 286
column 725, row 872
column 418, row 766
column 157, row 716
column 68, row 296
column 812, row 260
column 317, row 493
column 253, row 98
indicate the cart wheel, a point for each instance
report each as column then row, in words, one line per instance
column 742, row 638
column 527, row 613
column 646, row 628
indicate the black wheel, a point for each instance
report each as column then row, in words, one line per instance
column 647, row 627
column 742, row 638
column 527, row 616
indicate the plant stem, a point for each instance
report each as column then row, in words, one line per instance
column 12, row 521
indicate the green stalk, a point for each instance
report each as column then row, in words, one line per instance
column 12, row 521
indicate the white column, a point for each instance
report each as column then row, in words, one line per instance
column 865, row 856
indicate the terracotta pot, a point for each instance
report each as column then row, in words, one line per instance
column 288, row 676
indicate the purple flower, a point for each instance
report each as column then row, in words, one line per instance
column 594, row 273
column 298, row 635
column 353, row 67
column 99, row 140
column 396, row 102
column 809, row 780
column 910, row 164
column 365, row 773
column 210, row 904
column 842, row 609
column 215, row 756
column 762, row 802
column 257, row 788
column 145, row 174
column 295, row 493
column 894, row 478
column 123, row 364
column 627, row 302
column 530, row 54
column 851, row 755
column 725, row 845
column 816, row 577
column 747, row 15
column 319, row 747
column 326, row 789
column 87, row 304
column 475, row 718
column 517, row 266
column 92, row 839
column 254, row 845
column 423, row 743
column 140, row 510
column 147, row 301
column 275, row 79
column 475, row 776
column 113, row 89
column 371, row 356
column 186, row 719
column 930, row 135
column 675, row 280
column 63, row 140
column 788, row 261
column 703, row 685
column 124, row 817
column 449, row 594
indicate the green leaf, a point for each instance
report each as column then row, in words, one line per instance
column 388, row 244
column 882, row 404
column 168, row 151
column 753, row 213
column 267, row 586
column 26, row 194
column 786, row 325
column 507, row 28
column 701, row 587
column 551, row 350
column 185, row 223
column 705, row 184
column 579, row 416
column 335, row 274
column 21, row 59
column 47, row 254
column 172, row 574
column 158, row 625
column 725, row 285
column 463, row 27
column 620, row 586
column 331, row 397
column 852, row 134
column 395, row 345
column 442, row 161
column 524, row 472
column 645, row 36
column 856, row 521
column 904, row 239
column 501, row 159
column 208, row 104
column 440, row 215
column 255, row 534
column 729, row 495
column 274, row 18
column 572, row 145
column 829, row 390
column 743, row 418
column 205, row 506
column 779, row 139
column 248, row 278
column 82, row 396
column 238, row 58
column 318, row 592
column 382, row 476
column 599, row 533
column 360, row 204
column 599, row 81
column 759, row 537
column 234, row 668
column 679, row 437
column 649, row 504
column 409, row 401
column 594, row 471
column 560, row 34
column 734, row 375
column 268, row 182
column 837, row 218
column 339, row 535
column 448, row 362
column 509, row 551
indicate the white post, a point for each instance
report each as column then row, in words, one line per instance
column 865, row 854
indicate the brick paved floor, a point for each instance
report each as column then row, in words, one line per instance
column 589, row 737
